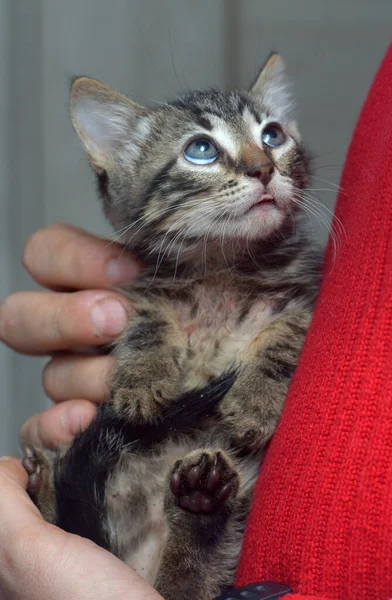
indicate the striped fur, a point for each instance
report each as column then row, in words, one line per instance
column 221, row 311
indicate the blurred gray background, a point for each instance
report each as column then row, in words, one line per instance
column 151, row 50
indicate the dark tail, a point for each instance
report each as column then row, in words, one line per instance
column 81, row 475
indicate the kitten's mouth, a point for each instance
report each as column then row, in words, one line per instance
column 264, row 199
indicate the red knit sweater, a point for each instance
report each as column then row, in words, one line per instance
column 322, row 511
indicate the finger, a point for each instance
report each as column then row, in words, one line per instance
column 44, row 322
column 16, row 508
column 38, row 560
column 58, row 425
column 74, row 376
column 63, row 256
column 13, row 482
column 12, row 469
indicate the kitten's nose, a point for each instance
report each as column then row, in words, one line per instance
column 262, row 172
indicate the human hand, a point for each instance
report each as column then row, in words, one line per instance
column 79, row 312
column 38, row 561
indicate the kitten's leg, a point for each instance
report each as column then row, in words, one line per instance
column 206, row 519
column 68, row 486
column 146, row 379
column 252, row 408
column 149, row 358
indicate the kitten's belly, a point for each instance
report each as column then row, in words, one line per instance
column 222, row 332
column 146, row 557
column 134, row 497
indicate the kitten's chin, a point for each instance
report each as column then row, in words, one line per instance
column 262, row 220
column 263, row 211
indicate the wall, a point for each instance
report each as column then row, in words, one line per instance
column 152, row 49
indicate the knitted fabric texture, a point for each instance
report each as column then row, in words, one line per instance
column 321, row 519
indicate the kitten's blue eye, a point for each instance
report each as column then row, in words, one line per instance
column 273, row 136
column 201, row 152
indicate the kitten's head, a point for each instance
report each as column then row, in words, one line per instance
column 208, row 166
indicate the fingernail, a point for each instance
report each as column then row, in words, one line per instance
column 122, row 270
column 109, row 317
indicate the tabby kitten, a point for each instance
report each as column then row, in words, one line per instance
column 204, row 191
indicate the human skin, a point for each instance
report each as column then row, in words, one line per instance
column 77, row 310
column 38, row 561
column 41, row 562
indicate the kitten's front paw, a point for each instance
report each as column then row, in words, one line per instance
column 249, row 432
column 143, row 403
column 252, row 438
column 248, row 421
column 204, row 482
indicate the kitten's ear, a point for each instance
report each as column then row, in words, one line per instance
column 105, row 121
column 273, row 87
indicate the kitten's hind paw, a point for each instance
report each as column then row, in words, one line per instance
column 204, row 481
column 33, row 469
column 40, row 487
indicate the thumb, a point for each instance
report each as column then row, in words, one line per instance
column 41, row 562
